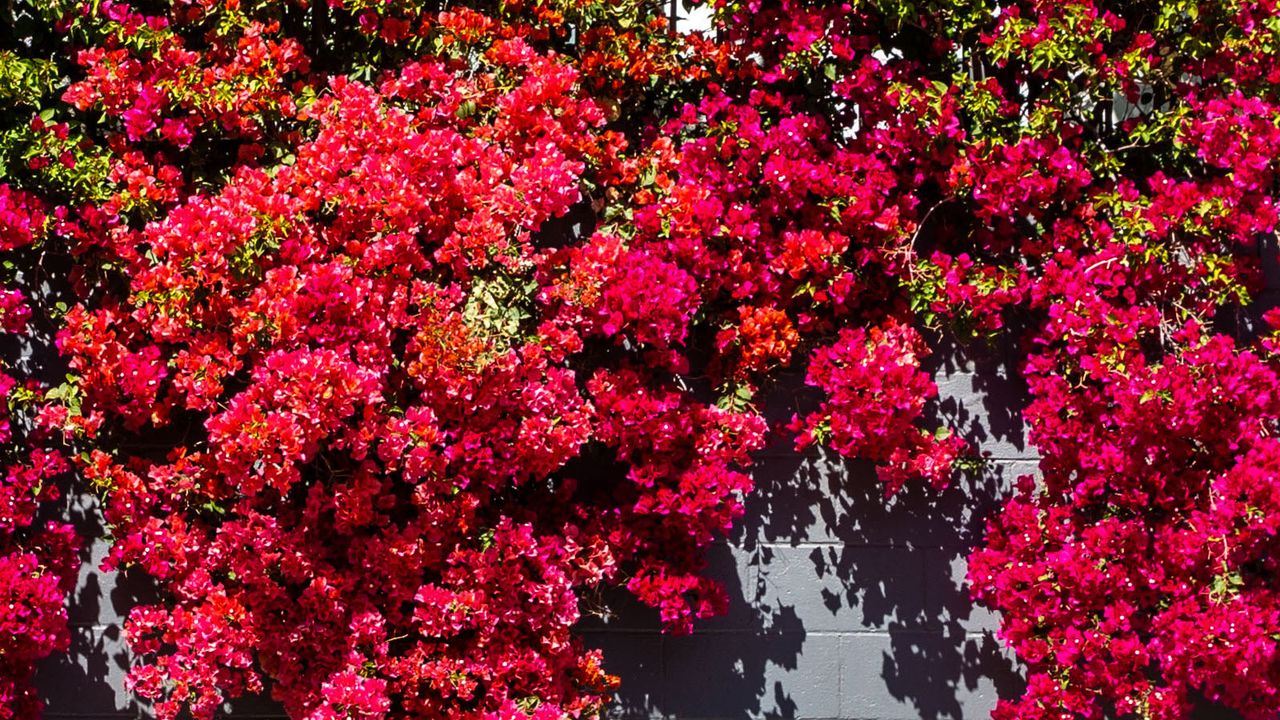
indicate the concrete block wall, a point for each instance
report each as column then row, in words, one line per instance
column 844, row 605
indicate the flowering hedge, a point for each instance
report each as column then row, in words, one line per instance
column 393, row 329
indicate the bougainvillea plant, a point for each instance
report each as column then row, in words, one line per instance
column 394, row 330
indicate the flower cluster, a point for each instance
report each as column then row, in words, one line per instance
column 877, row 394
column 1141, row 573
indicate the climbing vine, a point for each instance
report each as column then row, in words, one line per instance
column 388, row 332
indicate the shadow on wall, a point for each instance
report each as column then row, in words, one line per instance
column 844, row 604
column 88, row 680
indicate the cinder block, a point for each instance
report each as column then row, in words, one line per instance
column 89, row 679
column 730, row 676
column 948, row 355
column 823, row 498
column 102, row 597
column 947, row 600
column 834, row 588
column 90, row 603
column 636, row 658
column 986, row 410
column 799, row 497
column 922, row 676
column 733, row 566
column 956, row 516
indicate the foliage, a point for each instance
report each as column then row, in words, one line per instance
column 395, row 329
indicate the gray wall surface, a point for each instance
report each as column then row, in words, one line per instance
column 844, row 605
